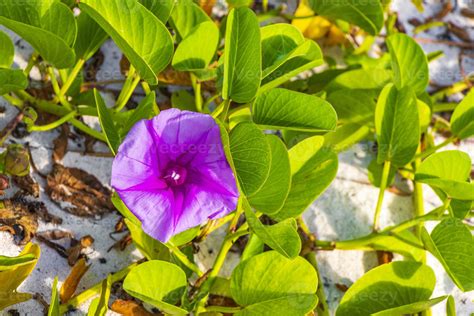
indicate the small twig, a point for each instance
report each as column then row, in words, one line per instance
column 444, row 42
column 10, row 127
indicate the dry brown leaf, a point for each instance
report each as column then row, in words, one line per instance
column 27, row 184
column 60, row 144
column 384, row 257
column 129, row 308
column 460, row 32
column 75, row 252
column 16, row 218
column 81, row 189
column 72, row 281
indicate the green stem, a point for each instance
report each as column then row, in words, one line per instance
column 322, row 308
column 54, row 124
column 31, row 63
column 131, row 83
column 88, row 130
column 13, row 101
column 433, row 149
column 70, row 80
column 54, row 83
column 197, row 92
column 182, row 257
column 225, row 110
column 95, row 290
column 383, row 186
column 147, row 89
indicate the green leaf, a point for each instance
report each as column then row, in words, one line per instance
column 191, row 54
column 397, row 125
column 269, row 284
column 185, row 16
column 50, row 46
column 13, row 273
column 450, row 306
column 160, row 8
column 254, row 247
column 149, row 52
column 53, row 309
column 242, row 56
column 375, row 173
column 59, row 20
column 313, row 167
column 409, row 63
column 90, row 36
column 452, row 243
column 366, row 14
column 388, row 286
column 286, row 109
column 346, row 136
column 183, row 100
column 99, row 305
column 12, row 80
column 149, row 247
column 412, row 308
column 272, row 195
column 107, row 123
column 353, row 106
column 251, row 156
column 449, row 171
column 144, row 110
column 462, row 120
column 159, row 283
column 306, row 56
column 7, row 50
column 373, row 79
column 282, row 237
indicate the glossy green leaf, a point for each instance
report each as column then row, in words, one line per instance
column 7, row 50
column 409, row 63
column 272, row 195
column 397, row 125
column 452, row 243
column 53, row 309
column 462, row 120
column 412, row 308
column 366, row 14
column 124, row 20
column 242, row 56
column 149, row 247
column 286, row 109
column 191, row 54
column 160, row 8
column 185, row 16
column 282, row 237
column 99, row 305
column 27, row 24
column 12, row 80
column 346, row 136
column 13, row 273
column 450, row 306
column 269, row 284
column 313, row 167
column 448, row 171
column 107, row 123
column 59, row 20
column 253, row 247
column 143, row 111
column 388, row 286
column 353, row 106
column 90, row 36
column 251, row 156
column 373, row 79
column 158, row 283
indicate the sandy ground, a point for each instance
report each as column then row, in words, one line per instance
column 344, row 211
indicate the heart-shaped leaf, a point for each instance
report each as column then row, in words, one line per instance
column 462, row 120
column 185, row 16
column 396, row 284
column 242, row 56
column 397, row 125
column 160, row 8
column 282, row 237
column 251, row 156
column 409, row 63
column 448, row 171
column 7, row 50
column 269, row 284
column 366, row 14
column 159, row 283
column 191, row 54
column 452, row 243
column 124, row 20
column 107, row 123
column 13, row 271
column 12, row 80
column 34, row 24
column 313, row 168
column 286, row 109
column 90, row 36
column 272, row 195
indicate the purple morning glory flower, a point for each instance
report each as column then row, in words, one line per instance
column 172, row 173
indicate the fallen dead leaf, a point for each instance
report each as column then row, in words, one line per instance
column 17, row 219
column 72, row 281
column 129, row 308
column 81, row 189
column 60, row 144
column 384, row 257
column 75, row 252
column 27, row 184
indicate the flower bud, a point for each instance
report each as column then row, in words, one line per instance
column 17, row 161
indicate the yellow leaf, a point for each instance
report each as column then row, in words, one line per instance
column 303, row 10
column 317, row 28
